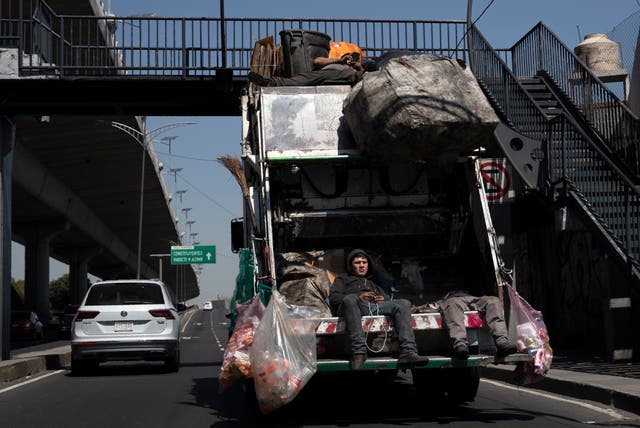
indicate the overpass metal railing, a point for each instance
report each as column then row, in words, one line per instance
column 70, row 45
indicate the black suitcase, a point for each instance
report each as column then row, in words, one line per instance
column 300, row 47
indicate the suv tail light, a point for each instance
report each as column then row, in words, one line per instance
column 86, row 315
column 162, row 313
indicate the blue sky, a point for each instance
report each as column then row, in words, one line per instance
column 212, row 193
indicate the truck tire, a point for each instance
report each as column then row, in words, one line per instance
column 463, row 383
column 429, row 384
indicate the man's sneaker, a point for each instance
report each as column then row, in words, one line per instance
column 412, row 359
column 461, row 352
column 357, row 361
column 259, row 79
column 505, row 349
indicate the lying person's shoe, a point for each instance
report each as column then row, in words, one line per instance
column 505, row 349
column 259, row 79
column 461, row 352
column 357, row 361
column 412, row 359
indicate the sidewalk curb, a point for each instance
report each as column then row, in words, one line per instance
column 585, row 390
column 31, row 364
column 11, row 370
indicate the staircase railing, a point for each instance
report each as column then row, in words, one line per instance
column 572, row 157
column 541, row 49
column 611, row 197
column 513, row 103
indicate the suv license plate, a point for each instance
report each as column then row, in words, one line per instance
column 123, row 326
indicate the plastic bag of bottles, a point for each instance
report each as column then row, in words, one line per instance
column 236, row 363
column 283, row 354
column 532, row 338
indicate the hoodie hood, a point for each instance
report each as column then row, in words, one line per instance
column 352, row 255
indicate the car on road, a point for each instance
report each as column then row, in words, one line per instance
column 66, row 319
column 126, row 320
column 207, row 306
column 26, row 325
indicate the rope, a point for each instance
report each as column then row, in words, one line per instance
column 366, row 336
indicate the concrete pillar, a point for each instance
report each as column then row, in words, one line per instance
column 78, row 270
column 36, row 266
column 7, row 143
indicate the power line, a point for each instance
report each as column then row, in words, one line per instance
column 207, row 196
column 186, row 157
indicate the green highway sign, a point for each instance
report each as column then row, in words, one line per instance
column 193, row 254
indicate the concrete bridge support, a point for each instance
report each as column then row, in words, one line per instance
column 78, row 270
column 36, row 267
column 7, row 143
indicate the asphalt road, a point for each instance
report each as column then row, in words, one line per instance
column 143, row 395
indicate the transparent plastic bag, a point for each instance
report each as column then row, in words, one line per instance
column 283, row 354
column 236, row 363
column 532, row 337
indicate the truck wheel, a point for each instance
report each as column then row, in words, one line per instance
column 463, row 383
column 429, row 384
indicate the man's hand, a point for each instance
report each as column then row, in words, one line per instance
column 370, row 296
column 346, row 59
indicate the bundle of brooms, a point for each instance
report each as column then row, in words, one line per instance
column 234, row 166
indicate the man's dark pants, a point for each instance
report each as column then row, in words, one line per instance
column 353, row 308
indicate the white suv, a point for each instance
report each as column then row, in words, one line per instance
column 126, row 320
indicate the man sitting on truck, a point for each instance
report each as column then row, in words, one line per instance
column 453, row 306
column 341, row 66
column 354, row 294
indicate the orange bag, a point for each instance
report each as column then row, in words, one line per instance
column 338, row 49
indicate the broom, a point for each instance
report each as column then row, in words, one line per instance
column 234, row 166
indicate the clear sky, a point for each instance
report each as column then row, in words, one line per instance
column 212, row 193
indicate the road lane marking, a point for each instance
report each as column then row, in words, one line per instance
column 26, row 382
column 606, row 411
column 186, row 323
column 215, row 336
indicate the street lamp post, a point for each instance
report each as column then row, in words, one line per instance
column 142, row 138
column 180, row 193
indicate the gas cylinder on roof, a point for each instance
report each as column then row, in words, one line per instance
column 599, row 53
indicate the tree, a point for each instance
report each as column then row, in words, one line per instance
column 18, row 286
column 17, row 294
column 59, row 293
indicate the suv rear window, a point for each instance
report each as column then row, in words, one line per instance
column 134, row 293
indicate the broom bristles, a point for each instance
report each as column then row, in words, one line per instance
column 234, row 166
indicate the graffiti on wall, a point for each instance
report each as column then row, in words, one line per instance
column 583, row 274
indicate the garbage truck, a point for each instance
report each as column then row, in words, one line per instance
column 317, row 184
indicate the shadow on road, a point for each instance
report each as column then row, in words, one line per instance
column 343, row 399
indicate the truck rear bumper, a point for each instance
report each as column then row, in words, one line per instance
column 435, row 362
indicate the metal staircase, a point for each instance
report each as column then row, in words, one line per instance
column 582, row 161
column 589, row 161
